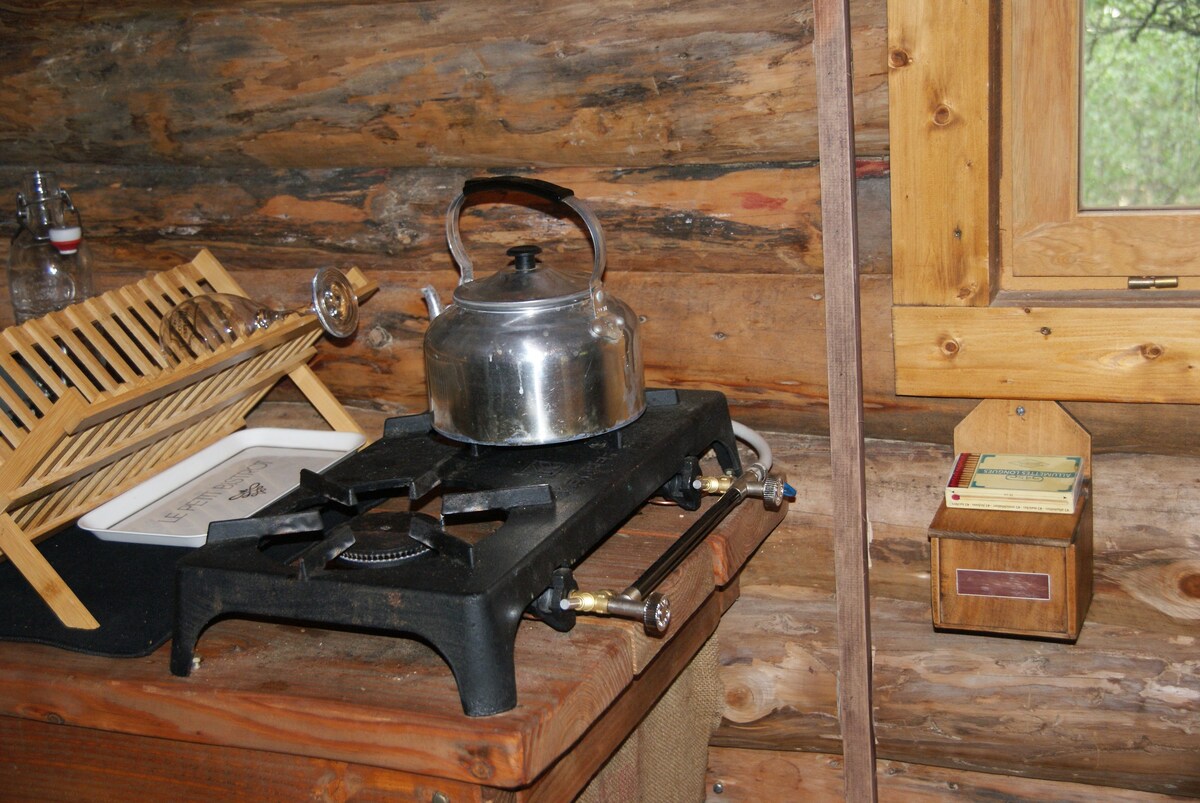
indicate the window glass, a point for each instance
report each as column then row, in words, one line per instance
column 1141, row 104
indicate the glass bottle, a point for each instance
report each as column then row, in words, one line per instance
column 49, row 264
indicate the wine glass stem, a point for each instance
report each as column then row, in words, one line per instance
column 269, row 317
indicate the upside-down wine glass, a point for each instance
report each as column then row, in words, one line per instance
column 202, row 324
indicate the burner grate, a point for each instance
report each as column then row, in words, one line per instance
column 387, row 539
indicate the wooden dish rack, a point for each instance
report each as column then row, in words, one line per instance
column 90, row 406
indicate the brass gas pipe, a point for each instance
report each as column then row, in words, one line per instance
column 639, row 600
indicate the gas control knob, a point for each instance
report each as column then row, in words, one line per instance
column 656, row 614
column 773, row 491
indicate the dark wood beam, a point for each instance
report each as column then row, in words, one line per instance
column 844, row 348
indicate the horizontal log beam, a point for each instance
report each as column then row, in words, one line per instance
column 702, row 252
column 724, row 263
column 319, row 84
column 757, row 338
column 743, row 775
column 761, row 218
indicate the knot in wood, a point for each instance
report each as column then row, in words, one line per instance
column 481, row 769
column 1189, row 585
column 899, row 58
column 942, row 115
column 378, row 338
column 1151, row 351
column 950, row 346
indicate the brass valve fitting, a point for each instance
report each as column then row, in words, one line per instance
column 714, row 485
column 589, row 601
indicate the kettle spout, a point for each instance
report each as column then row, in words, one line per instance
column 432, row 301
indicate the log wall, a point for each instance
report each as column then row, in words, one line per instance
column 1119, row 708
column 291, row 134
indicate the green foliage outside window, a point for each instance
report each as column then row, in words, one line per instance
column 1141, row 108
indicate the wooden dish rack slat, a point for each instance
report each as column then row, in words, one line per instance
column 90, row 406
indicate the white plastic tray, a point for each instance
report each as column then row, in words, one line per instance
column 235, row 477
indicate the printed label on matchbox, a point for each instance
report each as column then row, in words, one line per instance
column 1026, row 472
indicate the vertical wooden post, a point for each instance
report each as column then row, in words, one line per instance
column 844, row 350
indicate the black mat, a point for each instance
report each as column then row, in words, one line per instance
column 129, row 588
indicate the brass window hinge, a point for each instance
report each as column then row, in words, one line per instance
column 1152, row 282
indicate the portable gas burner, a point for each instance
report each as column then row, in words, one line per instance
column 511, row 524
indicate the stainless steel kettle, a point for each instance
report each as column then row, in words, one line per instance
column 530, row 355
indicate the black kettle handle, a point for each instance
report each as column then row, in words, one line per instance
column 531, row 186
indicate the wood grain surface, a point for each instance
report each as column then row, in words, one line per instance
column 1118, row 708
column 748, row 218
column 729, row 286
column 334, row 699
column 843, row 343
column 50, row 761
column 1049, row 235
column 964, row 211
column 1009, row 352
column 944, row 217
column 286, row 135
column 743, row 775
column 318, row 84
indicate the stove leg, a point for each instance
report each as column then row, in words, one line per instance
column 193, row 612
column 483, row 665
column 183, row 648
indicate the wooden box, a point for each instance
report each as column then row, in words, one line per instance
column 1026, row 574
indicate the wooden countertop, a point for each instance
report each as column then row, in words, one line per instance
column 276, row 696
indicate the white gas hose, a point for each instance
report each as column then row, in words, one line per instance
column 756, row 442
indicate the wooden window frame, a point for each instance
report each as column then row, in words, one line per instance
column 972, row 316
column 1048, row 235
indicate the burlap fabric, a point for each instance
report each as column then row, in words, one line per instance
column 665, row 758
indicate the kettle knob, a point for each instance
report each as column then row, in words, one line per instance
column 524, row 257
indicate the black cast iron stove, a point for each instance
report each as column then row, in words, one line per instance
column 335, row 551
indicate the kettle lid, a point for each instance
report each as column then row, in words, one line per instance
column 528, row 285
